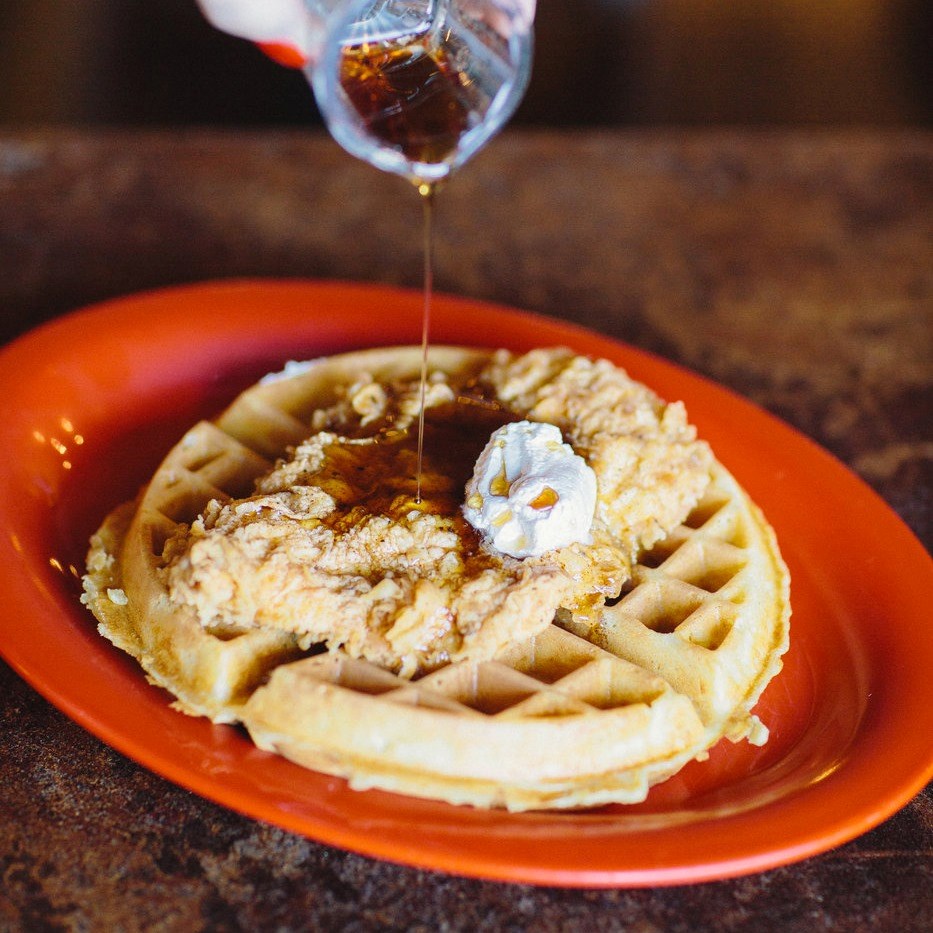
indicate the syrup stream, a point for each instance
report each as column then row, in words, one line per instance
column 427, row 191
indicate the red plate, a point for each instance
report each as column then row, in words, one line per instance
column 93, row 400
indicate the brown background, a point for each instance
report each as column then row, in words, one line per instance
column 599, row 62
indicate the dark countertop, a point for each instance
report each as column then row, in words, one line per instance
column 794, row 267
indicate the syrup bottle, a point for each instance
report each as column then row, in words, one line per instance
column 416, row 87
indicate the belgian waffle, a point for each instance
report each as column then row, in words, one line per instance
column 581, row 714
column 708, row 610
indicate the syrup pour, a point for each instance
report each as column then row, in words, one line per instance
column 427, row 194
column 411, row 97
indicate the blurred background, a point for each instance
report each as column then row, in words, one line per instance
column 598, row 62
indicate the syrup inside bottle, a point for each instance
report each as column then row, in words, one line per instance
column 408, row 96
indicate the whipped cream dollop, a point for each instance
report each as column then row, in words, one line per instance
column 530, row 492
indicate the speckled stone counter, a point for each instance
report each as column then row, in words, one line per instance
column 794, row 267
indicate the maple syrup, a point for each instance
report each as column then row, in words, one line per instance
column 546, row 499
column 376, row 479
column 408, row 96
column 427, row 200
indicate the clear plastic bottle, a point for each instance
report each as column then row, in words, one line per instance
column 416, row 87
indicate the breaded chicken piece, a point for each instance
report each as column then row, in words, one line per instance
column 335, row 547
column 650, row 466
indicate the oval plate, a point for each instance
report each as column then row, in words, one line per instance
column 93, row 401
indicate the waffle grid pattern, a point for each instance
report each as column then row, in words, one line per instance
column 554, row 674
column 690, row 584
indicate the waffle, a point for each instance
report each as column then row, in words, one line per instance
column 210, row 673
column 708, row 610
column 586, row 712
